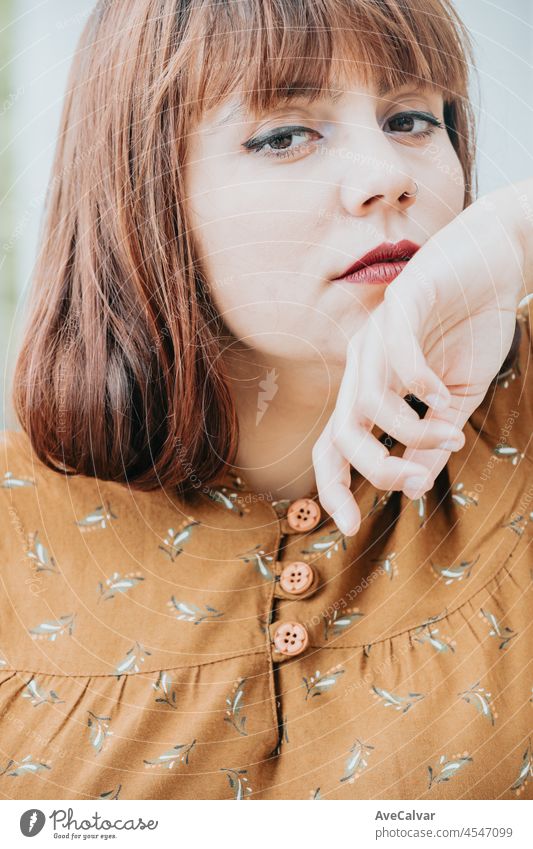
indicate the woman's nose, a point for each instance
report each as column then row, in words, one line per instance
column 377, row 177
column 388, row 190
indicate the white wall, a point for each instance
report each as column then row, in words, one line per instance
column 45, row 37
column 503, row 36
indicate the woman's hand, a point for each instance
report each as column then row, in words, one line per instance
column 444, row 328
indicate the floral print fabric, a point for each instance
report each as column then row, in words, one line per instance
column 136, row 633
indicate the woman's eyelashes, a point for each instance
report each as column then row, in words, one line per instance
column 278, row 138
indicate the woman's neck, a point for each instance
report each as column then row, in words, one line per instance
column 282, row 409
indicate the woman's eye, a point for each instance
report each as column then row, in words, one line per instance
column 412, row 123
column 281, row 142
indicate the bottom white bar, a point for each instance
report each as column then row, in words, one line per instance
column 267, row 824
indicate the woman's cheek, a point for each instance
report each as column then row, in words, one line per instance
column 443, row 176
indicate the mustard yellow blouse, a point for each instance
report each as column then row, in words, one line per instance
column 229, row 647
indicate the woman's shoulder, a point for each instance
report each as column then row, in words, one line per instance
column 16, row 460
column 20, row 465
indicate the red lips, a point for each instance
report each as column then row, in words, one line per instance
column 385, row 252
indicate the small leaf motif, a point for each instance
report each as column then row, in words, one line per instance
column 233, row 478
column 525, row 771
column 229, row 499
column 134, row 656
column 381, row 500
column 510, row 374
column 54, row 628
column 24, row 767
column 234, row 703
column 175, row 540
column 111, row 794
column 402, row 703
column 421, row 508
column 337, row 623
column 163, row 684
column 387, row 564
column 100, row 517
column 11, row 482
column 38, row 696
column 519, row 523
column 508, row 453
column 463, row 498
column 281, row 506
column 260, row 560
column 357, row 761
column 427, row 633
column 179, row 754
column 318, row 683
column 480, row 698
column 192, row 613
column 98, row 730
column 115, row 585
column 446, row 769
column 238, row 782
column 327, row 544
column 39, row 553
column 453, row 574
column 497, row 630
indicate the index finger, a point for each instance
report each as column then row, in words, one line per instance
column 333, row 480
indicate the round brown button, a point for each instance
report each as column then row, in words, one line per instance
column 291, row 638
column 303, row 514
column 296, row 577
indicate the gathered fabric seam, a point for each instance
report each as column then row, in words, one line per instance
column 249, row 653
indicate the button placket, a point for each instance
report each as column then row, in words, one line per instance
column 295, row 579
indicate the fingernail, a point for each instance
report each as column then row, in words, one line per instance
column 450, row 445
column 438, row 402
column 344, row 526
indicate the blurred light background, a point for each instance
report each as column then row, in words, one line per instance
column 37, row 41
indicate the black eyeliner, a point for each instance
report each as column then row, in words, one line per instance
column 273, row 134
column 414, row 113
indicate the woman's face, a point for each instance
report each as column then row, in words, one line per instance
column 282, row 204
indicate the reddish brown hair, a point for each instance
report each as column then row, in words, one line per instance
column 120, row 375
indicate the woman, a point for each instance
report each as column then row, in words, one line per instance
column 227, row 587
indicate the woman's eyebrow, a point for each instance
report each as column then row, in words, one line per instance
column 239, row 111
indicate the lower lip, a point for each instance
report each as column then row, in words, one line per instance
column 379, row 272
